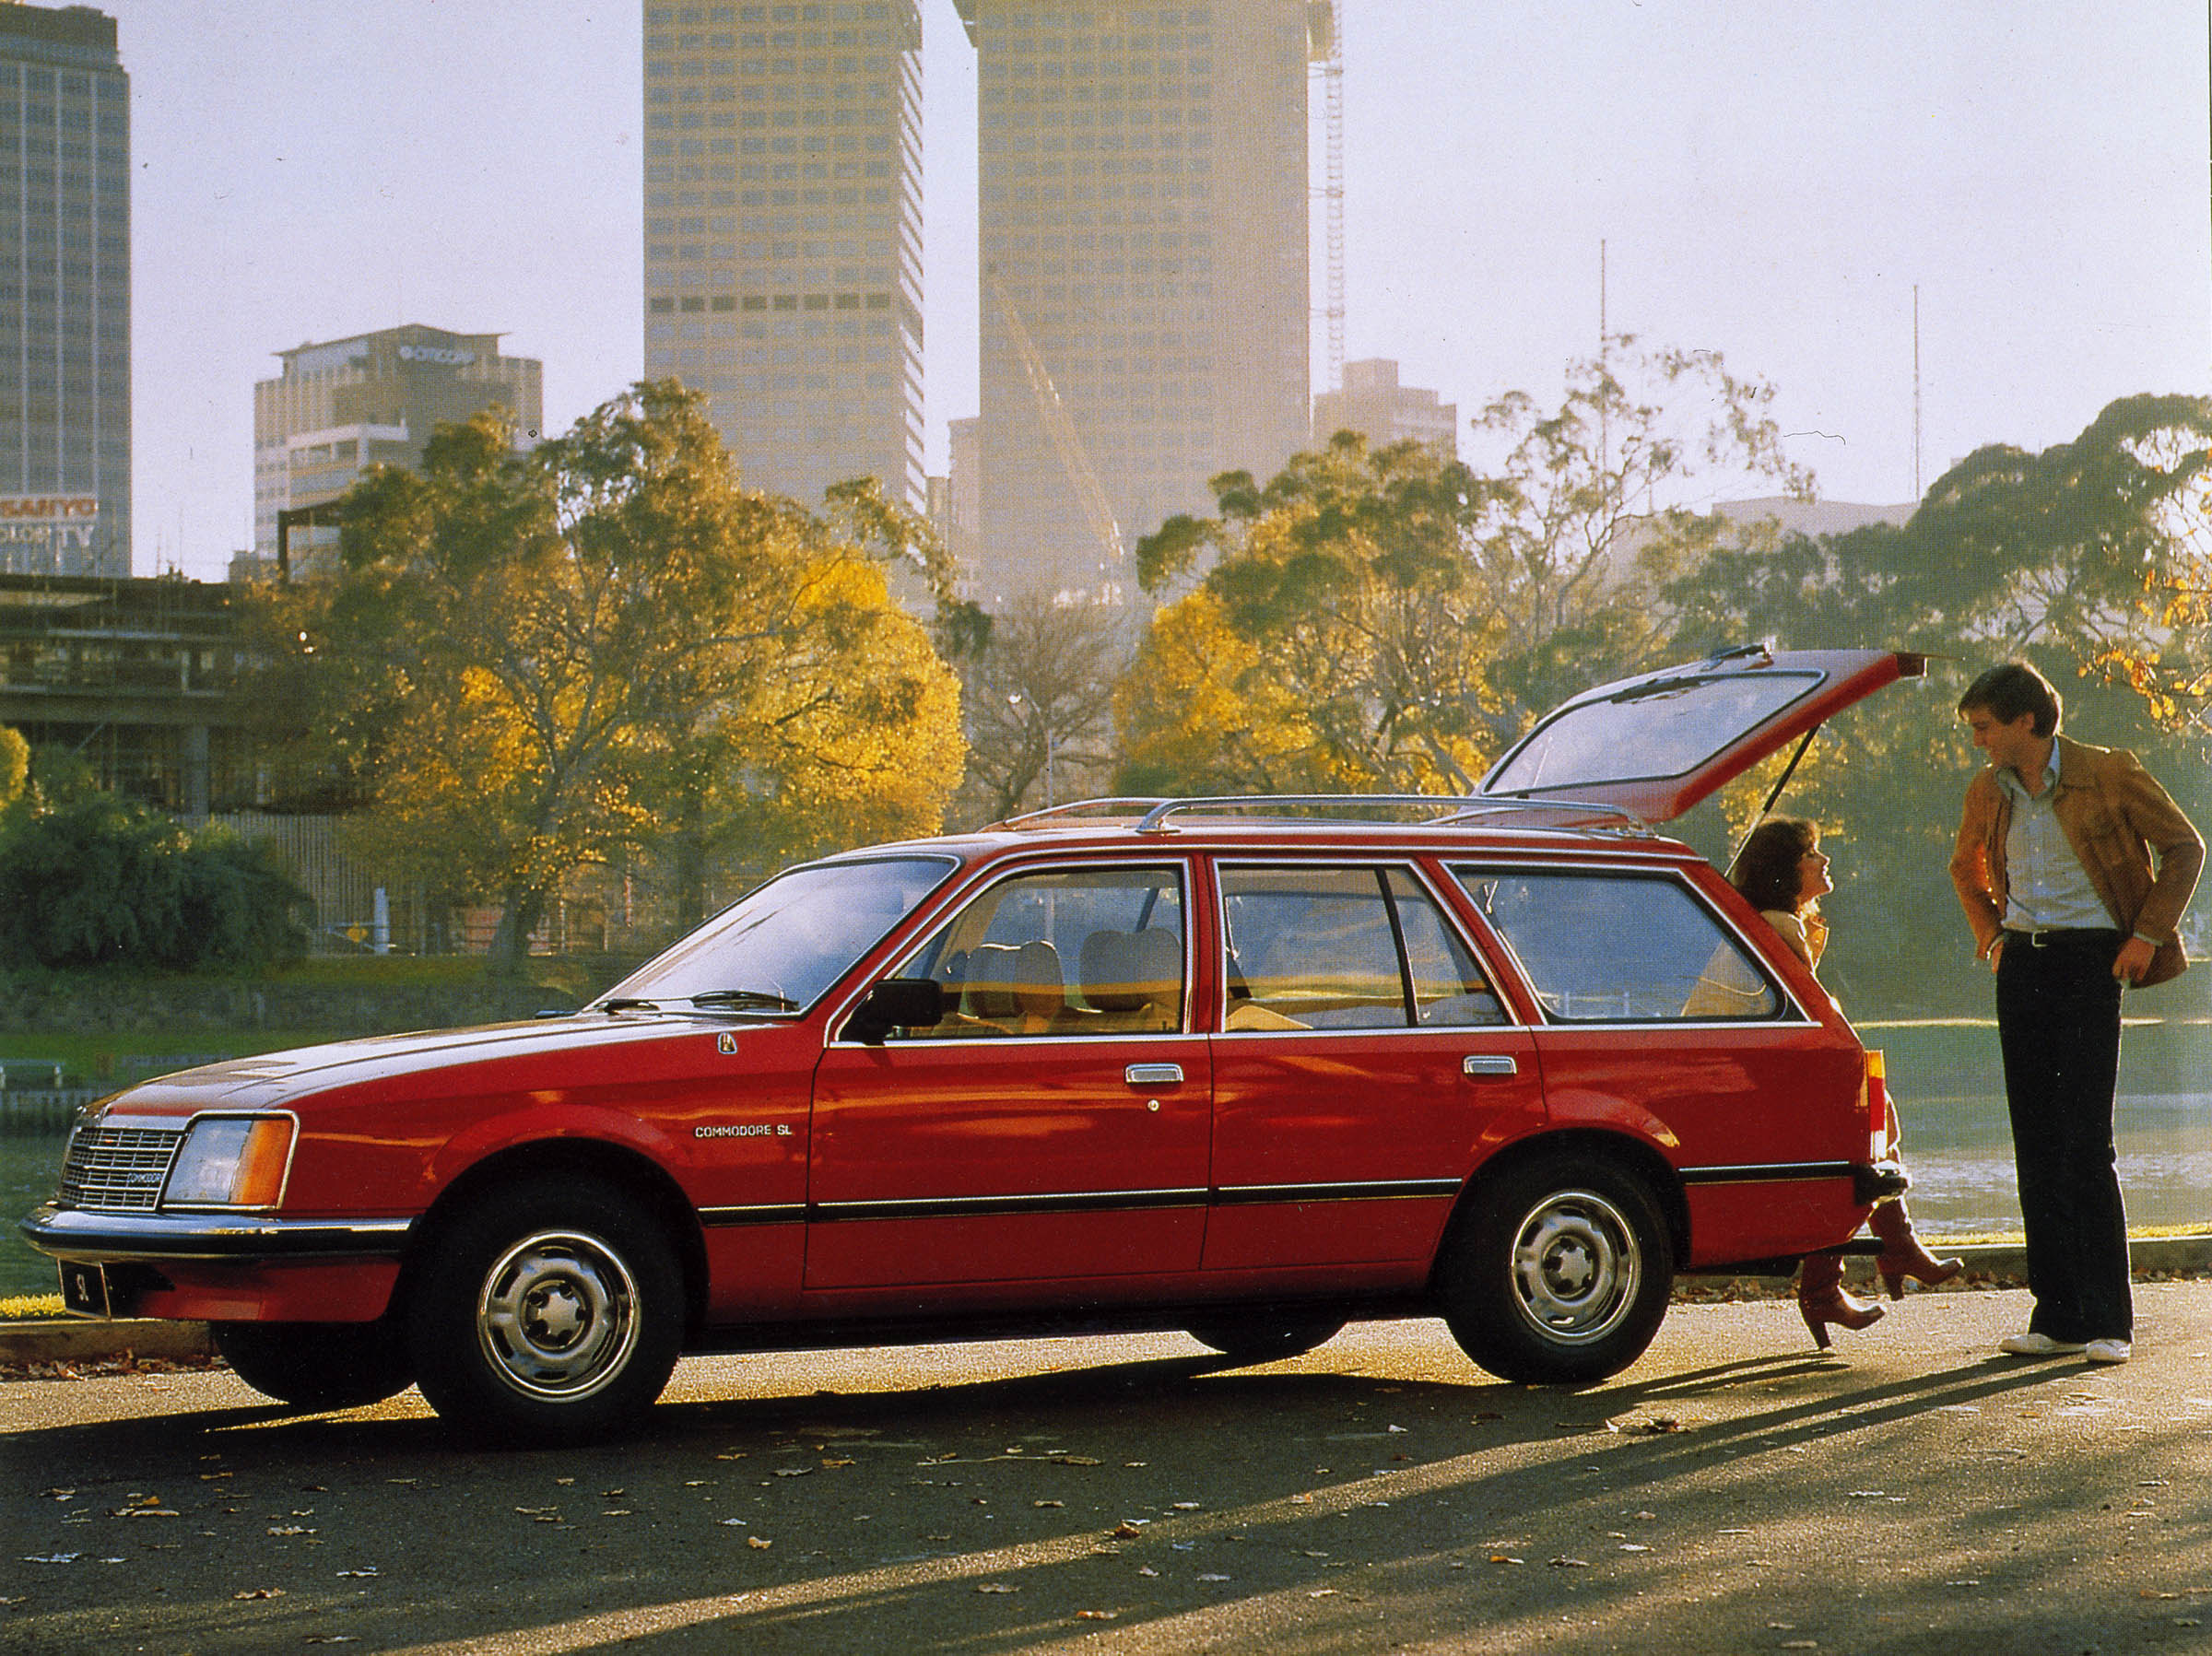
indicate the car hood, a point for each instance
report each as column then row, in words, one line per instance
column 271, row 1078
column 1655, row 744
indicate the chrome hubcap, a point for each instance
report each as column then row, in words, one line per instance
column 557, row 1315
column 1576, row 1267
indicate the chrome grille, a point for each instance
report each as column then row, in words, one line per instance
column 118, row 1169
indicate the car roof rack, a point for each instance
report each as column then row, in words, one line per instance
column 1453, row 808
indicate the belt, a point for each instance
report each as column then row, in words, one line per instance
column 2046, row 937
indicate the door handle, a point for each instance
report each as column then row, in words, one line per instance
column 1153, row 1074
column 1483, row 1064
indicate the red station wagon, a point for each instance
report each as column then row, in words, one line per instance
column 1249, row 1068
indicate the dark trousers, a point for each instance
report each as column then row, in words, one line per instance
column 2058, row 1021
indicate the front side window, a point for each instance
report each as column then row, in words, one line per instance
column 1066, row 951
column 1343, row 948
column 1620, row 948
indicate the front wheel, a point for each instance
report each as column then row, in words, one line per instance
column 317, row 1365
column 554, row 1311
column 1561, row 1274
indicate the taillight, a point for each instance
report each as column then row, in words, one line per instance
column 1877, row 1107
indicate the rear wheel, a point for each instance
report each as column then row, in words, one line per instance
column 1262, row 1336
column 317, row 1365
column 1561, row 1276
column 554, row 1311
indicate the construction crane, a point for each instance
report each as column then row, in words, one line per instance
column 1324, row 62
column 1074, row 459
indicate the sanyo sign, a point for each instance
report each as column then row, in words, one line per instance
column 436, row 353
column 49, row 520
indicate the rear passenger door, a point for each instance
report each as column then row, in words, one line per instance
column 1661, row 1019
column 1364, row 1064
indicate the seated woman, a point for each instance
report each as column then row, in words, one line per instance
column 1784, row 874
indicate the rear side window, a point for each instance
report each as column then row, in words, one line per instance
column 1344, row 948
column 1606, row 948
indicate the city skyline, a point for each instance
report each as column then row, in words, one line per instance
column 1771, row 186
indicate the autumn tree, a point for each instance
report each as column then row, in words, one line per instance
column 2087, row 557
column 1388, row 618
column 555, row 658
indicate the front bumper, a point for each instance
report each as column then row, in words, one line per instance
column 82, row 1233
column 221, row 1268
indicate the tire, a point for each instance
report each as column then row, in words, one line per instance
column 1265, row 1337
column 550, row 1310
column 1561, row 1273
column 317, row 1365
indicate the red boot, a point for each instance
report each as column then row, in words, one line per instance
column 1903, row 1254
column 1821, row 1299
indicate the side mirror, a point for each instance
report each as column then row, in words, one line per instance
column 896, row 1004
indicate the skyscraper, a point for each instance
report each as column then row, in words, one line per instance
column 1144, row 248
column 784, row 233
column 344, row 406
column 65, row 294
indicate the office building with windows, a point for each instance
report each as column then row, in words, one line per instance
column 1143, row 181
column 1373, row 403
column 344, row 406
column 783, row 234
column 65, row 294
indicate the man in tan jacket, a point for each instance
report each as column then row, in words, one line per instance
column 2074, row 867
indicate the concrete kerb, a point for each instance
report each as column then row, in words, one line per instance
column 70, row 1339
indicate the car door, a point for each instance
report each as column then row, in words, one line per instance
column 1054, row 1125
column 1660, row 1021
column 1363, row 1064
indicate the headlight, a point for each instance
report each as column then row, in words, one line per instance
column 231, row 1161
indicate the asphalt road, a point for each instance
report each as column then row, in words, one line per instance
column 1732, row 1492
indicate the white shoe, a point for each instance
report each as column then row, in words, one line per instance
column 2109, row 1351
column 2043, row 1345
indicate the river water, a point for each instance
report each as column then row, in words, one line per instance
column 1945, row 1076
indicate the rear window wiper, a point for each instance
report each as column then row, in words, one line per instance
column 744, row 998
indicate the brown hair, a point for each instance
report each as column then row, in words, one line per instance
column 2006, row 691
column 1766, row 869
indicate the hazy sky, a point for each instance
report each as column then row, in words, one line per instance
column 1770, row 178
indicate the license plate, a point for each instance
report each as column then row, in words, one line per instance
column 84, row 1288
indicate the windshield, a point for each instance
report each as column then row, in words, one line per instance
column 1653, row 730
column 782, row 945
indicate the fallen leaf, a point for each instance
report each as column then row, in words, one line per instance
column 52, row 1558
column 260, row 1593
column 1078, row 1461
column 1503, row 1558
column 1097, row 1616
column 793, row 1471
column 1566, row 1563
column 759, row 1542
column 1213, row 1577
column 357, row 1575
column 840, row 1463
column 1634, row 1546
column 1184, row 1506
column 1324, row 1593
column 1127, row 1529
column 1048, row 1503
column 289, row 1529
column 1146, row 1569
column 996, row 1587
